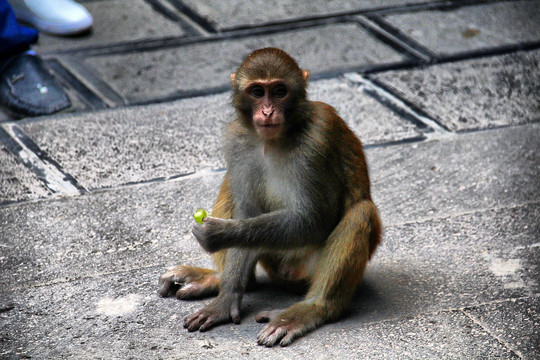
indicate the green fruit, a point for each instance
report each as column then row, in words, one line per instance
column 199, row 215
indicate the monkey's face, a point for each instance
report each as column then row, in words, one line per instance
column 268, row 88
column 269, row 99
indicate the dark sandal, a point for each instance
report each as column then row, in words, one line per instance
column 28, row 89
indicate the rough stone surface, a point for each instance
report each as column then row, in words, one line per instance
column 112, row 147
column 224, row 15
column 472, row 27
column 161, row 73
column 121, row 316
column 502, row 167
column 474, row 94
column 409, row 299
column 114, row 22
column 109, row 231
column 17, row 183
column 452, row 262
column 515, row 321
column 371, row 121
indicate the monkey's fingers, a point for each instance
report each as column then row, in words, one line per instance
column 207, row 317
column 168, row 285
column 197, row 231
column 165, row 289
column 173, row 279
column 194, row 321
column 210, row 322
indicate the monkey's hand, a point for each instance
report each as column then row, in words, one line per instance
column 223, row 309
column 211, row 233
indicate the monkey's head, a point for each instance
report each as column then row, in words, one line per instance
column 268, row 88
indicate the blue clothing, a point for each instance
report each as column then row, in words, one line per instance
column 14, row 38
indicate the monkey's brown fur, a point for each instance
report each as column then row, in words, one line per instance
column 296, row 198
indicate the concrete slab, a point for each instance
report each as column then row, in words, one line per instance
column 472, row 27
column 451, row 263
column 474, row 94
column 226, row 15
column 163, row 73
column 455, row 175
column 120, row 146
column 120, row 316
column 443, row 335
column 105, row 232
column 17, row 183
column 112, row 147
column 372, row 122
column 515, row 322
column 114, row 22
column 408, row 300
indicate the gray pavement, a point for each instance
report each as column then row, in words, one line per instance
column 96, row 201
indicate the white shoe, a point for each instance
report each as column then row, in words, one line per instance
column 59, row 17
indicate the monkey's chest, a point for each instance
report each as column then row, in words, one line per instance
column 280, row 186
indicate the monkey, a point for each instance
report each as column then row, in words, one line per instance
column 295, row 198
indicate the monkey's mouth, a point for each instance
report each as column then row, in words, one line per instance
column 269, row 130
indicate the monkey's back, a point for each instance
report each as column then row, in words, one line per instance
column 347, row 152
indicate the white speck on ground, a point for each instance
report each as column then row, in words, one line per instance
column 119, row 306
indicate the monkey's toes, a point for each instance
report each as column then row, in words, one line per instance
column 280, row 330
column 270, row 335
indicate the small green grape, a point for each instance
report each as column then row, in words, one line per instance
column 199, row 215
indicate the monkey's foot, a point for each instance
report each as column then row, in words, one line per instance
column 189, row 282
column 286, row 326
column 221, row 310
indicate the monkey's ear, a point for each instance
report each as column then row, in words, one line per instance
column 233, row 77
column 305, row 74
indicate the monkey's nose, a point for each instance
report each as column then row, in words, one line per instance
column 268, row 112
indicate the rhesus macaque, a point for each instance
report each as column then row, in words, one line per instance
column 295, row 198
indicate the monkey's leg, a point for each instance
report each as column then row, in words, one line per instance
column 341, row 267
column 239, row 266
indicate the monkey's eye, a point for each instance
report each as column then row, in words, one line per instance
column 280, row 91
column 257, row 91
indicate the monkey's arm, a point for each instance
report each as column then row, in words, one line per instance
column 286, row 228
